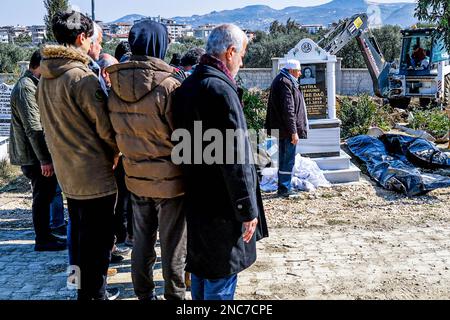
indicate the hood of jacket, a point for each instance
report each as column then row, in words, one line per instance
column 135, row 79
column 57, row 60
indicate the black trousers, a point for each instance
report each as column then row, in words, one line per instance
column 92, row 240
column 44, row 190
column 168, row 216
column 123, row 218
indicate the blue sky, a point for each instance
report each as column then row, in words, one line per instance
column 28, row 12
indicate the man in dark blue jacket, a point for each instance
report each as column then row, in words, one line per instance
column 223, row 201
column 287, row 113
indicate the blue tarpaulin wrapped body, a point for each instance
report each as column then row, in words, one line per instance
column 391, row 160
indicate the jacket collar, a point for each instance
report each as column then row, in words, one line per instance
column 212, row 61
column 62, row 52
column 29, row 74
column 209, row 71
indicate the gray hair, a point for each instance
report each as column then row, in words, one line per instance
column 224, row 37
column 97, row 31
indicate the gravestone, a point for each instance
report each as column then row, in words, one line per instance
column 318, row 84
column 5, row 109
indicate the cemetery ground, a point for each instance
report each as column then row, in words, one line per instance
column 346, row 242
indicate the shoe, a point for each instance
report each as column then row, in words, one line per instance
column 112, row 294
column 50, row 246
column 58, row 238
column 112, row 272
column 116, row 258
column 121, row 251
column 153, row 297
column 72, row 282
column 289, row 195
column 60, row 232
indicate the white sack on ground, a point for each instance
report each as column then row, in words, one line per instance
column 306, row 176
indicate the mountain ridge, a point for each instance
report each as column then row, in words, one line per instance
column 259, row 17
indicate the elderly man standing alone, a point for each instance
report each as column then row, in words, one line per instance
column 287, row 114
column 223, row 202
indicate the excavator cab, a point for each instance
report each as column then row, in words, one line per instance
column 417, row 53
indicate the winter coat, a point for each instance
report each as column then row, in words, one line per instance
column 76, row 123
column 140, row 105
column 27, row 143
column 286, row 110
column 219, row 197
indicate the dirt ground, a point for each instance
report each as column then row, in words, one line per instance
column 354, row 241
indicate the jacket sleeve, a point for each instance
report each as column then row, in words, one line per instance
column 31, row 121
column 94, row 103
column 167, row 108
column 288, row 107
column 239, row 177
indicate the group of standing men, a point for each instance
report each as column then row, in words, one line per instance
column 85, row 117
column 209, row 216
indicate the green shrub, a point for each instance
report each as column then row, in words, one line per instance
column 434, row 121
column 7, row 171
column 255, row 108
column 359, row 115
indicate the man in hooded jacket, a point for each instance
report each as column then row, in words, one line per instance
column 81, row 141
column 140, row 105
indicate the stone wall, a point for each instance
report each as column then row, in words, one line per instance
column 260, row 78
column 354, row 82
column 348, row 81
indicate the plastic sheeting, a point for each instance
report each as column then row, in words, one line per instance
column 306, row 176
column 391, row 160
column 420, row 152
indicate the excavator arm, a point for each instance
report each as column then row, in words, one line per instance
column 357, row 27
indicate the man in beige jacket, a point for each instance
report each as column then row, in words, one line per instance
column 140, row 105
column 82, row 144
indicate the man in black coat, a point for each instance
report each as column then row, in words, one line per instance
column 287, row 113
column 223, row 201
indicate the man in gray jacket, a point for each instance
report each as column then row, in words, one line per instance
column 28, row 149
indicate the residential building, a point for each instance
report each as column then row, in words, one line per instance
column 203, row 32
column 38, row 34
column 4, row 36
column 175, row 30
column 121, row 28
column 313, row 28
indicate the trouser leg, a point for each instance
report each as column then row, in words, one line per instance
column 43, row 192
column 172, row 234
column 286, row 165
column 92, row 240
column 143, row 256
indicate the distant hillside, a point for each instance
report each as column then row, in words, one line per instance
column 259, row 17
column 129, row 18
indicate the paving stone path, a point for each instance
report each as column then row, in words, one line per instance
column 333, row 262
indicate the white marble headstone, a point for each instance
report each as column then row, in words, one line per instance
column 5, row 109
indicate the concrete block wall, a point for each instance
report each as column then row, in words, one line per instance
column 355, row 82
column 348, row 81
column 260, row 78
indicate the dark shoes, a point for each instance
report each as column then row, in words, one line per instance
column 60, row 232
column 289, row 195
column 50, row 246
column 153, row 297
column 112, row 294
column 116, row 258
column 117, row 255
column 121, row 251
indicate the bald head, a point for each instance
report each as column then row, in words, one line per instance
column 105, row 61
